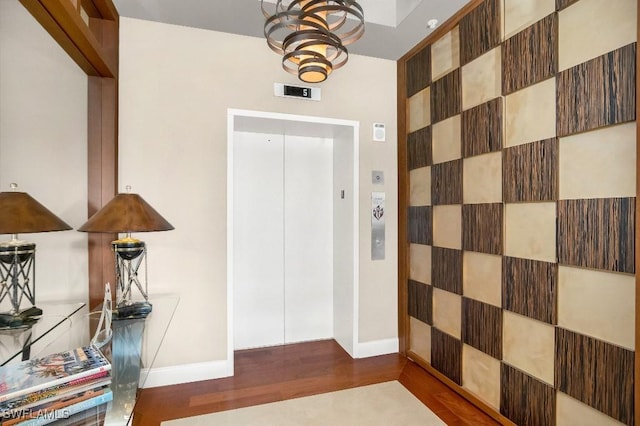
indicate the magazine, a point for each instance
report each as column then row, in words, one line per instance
column 59, row 413
column 42, row 397
column 52, row 370
column 54, row 409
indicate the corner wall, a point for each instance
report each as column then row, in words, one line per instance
column 521, row 168
column 176, row 84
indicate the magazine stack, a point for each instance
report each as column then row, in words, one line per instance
column 66, row 388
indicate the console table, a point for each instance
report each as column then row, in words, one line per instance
column 132, row 348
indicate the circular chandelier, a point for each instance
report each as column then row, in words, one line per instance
column 311, row 35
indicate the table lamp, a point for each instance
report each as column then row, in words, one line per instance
column 21, row 214
column 127, row 213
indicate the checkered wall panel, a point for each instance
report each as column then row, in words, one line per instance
column 522, row 123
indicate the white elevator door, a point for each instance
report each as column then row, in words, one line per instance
column 283, row 239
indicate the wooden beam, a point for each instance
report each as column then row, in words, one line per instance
column 107, row 10
column 62, row 20
column 51, row 26
column 102, row 179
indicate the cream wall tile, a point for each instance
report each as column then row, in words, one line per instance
column 482, row 277
column 579, row 41
column 446, row 142
column 599, row 164
column 447, row 312
column 528, row 344
column 531, row 114
column 481, row 375
column 519, row 14
column 571, row 412
column 481, row 79
column 447, row 226
column 530, row 231
column 420, row 187
column 597, row 304
column 420, row 263
column 420, row 338
column 445, row 54
column 419, row 110
column 482, row 179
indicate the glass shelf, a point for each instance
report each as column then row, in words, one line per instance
column 132, row 350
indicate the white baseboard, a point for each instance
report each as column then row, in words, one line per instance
column 165, row 376
column 376, row 347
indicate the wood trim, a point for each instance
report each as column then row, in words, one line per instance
column 403, row 203
column 636, row 370
column 460, row 390
column 441, row 30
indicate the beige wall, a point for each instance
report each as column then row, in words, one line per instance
column 43, row 145
column 176, row 84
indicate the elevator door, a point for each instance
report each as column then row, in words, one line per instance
column 283, row 239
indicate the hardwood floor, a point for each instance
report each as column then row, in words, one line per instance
column 291, row 371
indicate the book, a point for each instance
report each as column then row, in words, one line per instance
column 46, row 409
column 51, row 415
column 72, row 386
column 45, row 372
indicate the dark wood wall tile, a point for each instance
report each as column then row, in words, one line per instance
column 420, row 301
column 525, row 400
column 562, row 4
column 530, row 56
column 418, row 71
column 530, row 172
column 419, row 148
column 446, row 96
column 419, row 151
column 482, row 327
column 597, row 93
column 446, row 183
column 596, row 373
column 481, row 128
column 597, row 233
column 446, row 355
column 482, row 227
column 480, row 30
column 420, row 225
column 446, row 269
column 529, row 288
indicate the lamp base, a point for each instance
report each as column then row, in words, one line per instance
column 23, row 319
column 132, row 310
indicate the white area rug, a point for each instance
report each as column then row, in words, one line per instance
column 382, row 404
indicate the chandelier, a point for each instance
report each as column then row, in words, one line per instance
column 311, row 35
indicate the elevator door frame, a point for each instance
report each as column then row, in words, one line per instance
column 346, row 328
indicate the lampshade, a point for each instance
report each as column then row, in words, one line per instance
column 312, row 34
column 22, row 214
column 126, row 213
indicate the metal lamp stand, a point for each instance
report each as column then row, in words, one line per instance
column 17, row 282
column 130, row 254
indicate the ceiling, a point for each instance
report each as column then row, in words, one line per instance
column 392, row 28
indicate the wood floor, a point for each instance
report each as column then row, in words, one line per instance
column 291, row 371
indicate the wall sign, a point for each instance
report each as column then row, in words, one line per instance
column 296, row 92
